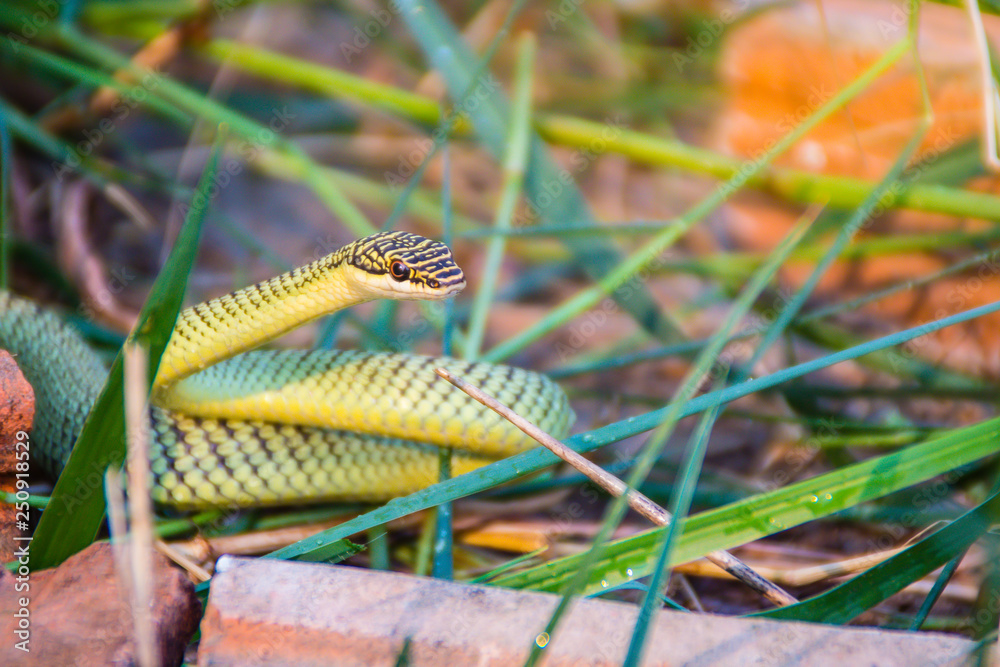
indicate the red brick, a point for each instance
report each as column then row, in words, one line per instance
column 268, row 612
column 78, row 614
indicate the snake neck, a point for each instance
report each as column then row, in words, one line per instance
column 229, row 325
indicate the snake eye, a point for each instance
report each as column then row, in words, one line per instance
column 399, row 271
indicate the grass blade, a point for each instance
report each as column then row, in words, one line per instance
column 623, row 277
column 947, row 572
column 443, row 566
column 76, row 509
column 653, row 448
column 447, row 53
column 680, row 504
column 796, row 185
column 332, row 541
column 843, row 603
column 514, row 163
column 765, row 514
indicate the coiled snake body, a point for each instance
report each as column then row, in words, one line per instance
column 233, row 427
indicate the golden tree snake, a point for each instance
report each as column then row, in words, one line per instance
column 236, row 427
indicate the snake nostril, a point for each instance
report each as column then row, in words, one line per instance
column 433, row 283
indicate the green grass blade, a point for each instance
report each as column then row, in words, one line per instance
column 76, row 509
column 555, row 196
column 447, row 226
column 680, row 505
column 320, row 546
column 443, row 566
column 840, row 243
column 327, row 81
column 796, row 185
column 444, row 130
column 845, row 602
column 653, row 448
column 881, row 195
column 765, row 514
column 514, row 163
column 947, row 572
column 254, row 135
column 92, row 78
column 378, row 548
column 510, row 564
column 622, row 278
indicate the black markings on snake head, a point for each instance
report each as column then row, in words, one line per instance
column 430, row 262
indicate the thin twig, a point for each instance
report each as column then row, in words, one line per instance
column 194, row 570
column 140, row 503
column 617, row 487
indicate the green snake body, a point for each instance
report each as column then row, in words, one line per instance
column 234, row 428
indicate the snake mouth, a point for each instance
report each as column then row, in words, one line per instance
column 444, row 290
column 450, row 280
column 456, row 288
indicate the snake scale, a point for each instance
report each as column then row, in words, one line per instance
column 236, row 427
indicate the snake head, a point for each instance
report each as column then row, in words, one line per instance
column 401, row 265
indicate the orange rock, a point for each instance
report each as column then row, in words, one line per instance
column 782, row 65
column 17, row 411
column 76, row 613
